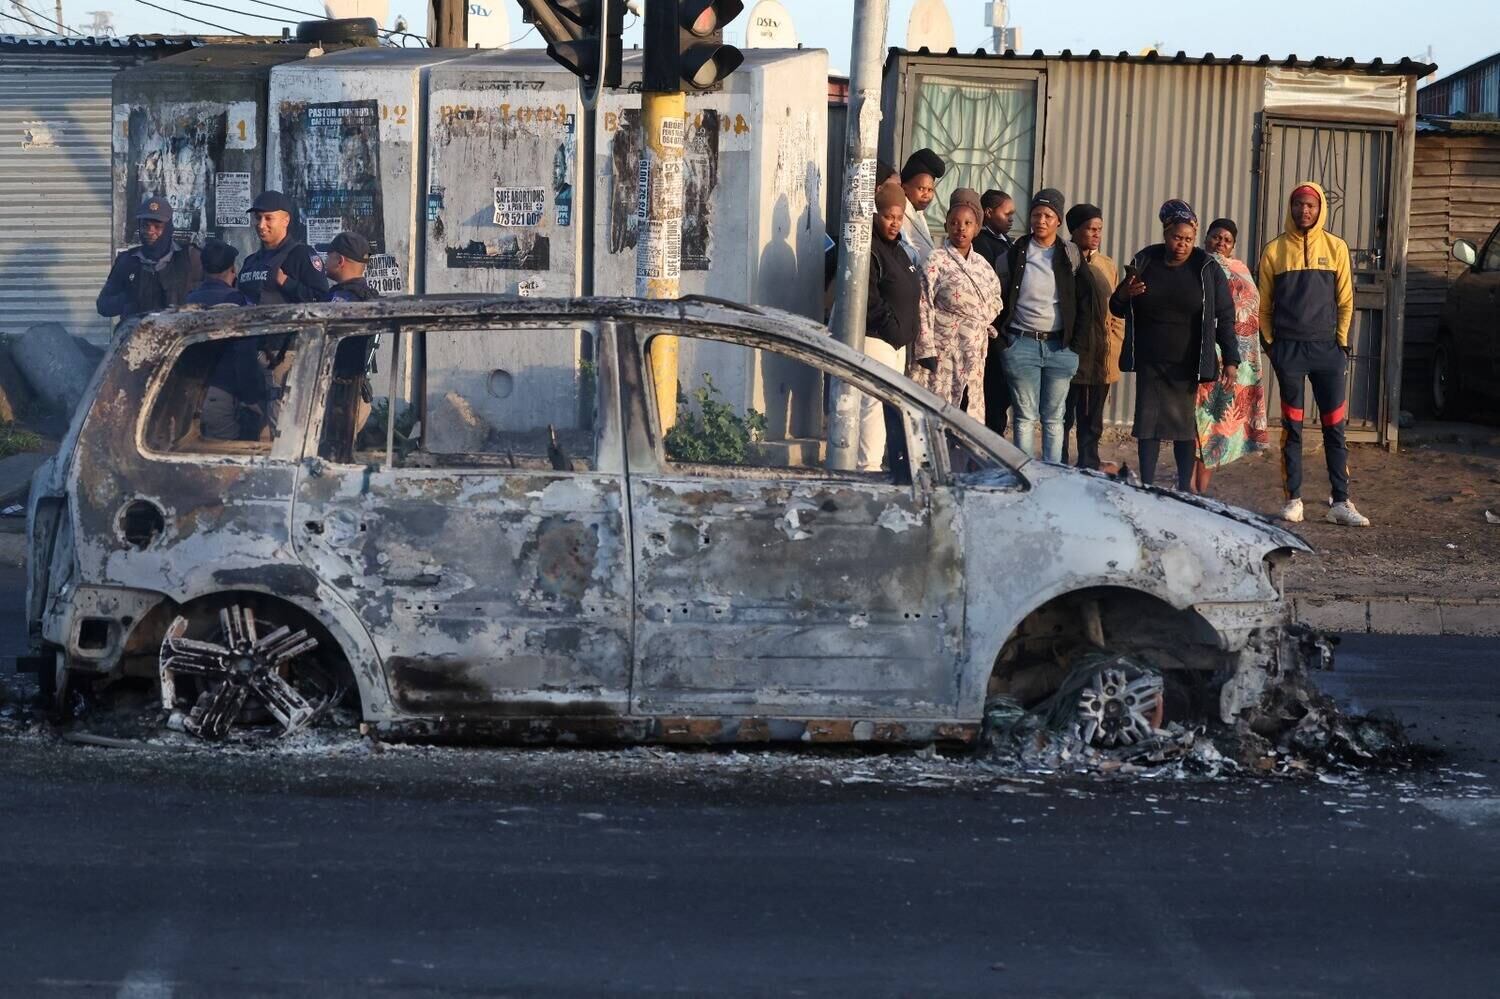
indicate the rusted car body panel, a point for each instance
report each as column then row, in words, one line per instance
column 628, row 601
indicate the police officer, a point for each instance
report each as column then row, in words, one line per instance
column 348, row 255
column 157, row 274
column 284, row 269
column 218, row 278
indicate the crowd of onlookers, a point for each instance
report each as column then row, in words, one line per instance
column 1031, row 332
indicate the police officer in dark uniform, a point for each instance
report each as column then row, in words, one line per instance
column 218, row 277
column 348, row 255
column 284, row 269
column 157, row 274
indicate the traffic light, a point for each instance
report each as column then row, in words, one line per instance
column 583, row 36
column 685, row 44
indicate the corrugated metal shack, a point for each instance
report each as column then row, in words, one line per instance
column 1455, row 195
column 1231, row 135
column 1473, row 90
column 55, row 174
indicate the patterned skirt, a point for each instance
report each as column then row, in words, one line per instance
column 1232, row 417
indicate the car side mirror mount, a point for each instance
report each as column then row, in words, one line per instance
column 1465, row 253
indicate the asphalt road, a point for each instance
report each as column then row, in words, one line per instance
column 336, row 870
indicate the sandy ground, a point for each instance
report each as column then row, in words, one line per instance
column 1428, row 536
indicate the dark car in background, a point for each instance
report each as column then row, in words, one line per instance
column 1467, row 358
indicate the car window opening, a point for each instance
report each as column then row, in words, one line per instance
column 224, row 396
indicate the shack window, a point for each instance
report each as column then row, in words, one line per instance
column 506, row 398
column 984, row 128
column 742, row 407
column 223, row 397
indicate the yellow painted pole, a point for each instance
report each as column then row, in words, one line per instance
column 658, row 257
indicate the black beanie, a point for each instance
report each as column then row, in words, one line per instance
column 1081, row 215
column 923, row 161
column 1049, row 197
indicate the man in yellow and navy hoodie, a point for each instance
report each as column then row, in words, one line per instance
column 1306, row 306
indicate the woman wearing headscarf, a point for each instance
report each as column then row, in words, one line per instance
column 1232, row 413
column 892, row 318
column 1176, row 305
column 158, row 274
column 960, row 299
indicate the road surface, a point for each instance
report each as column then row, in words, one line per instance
column 341, row 871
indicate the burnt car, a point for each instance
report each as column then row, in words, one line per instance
column 506, row 530
column 1466, row 358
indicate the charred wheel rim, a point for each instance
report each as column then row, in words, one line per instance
column 1119, row 707
column 248, row 663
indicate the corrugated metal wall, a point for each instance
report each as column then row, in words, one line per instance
column 1473, row 91
column 1127, row 137
column 55, row 188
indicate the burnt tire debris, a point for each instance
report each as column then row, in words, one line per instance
column 1106, row 716
column 207, row 686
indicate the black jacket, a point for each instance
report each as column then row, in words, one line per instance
column 995, row 249
column 305, row 280
column 136, row 285
column 356, row 290
column 1217, row 318
column 1075, row 297
column 215, row 292
column 893, row 310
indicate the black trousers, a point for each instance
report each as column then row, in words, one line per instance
column 1324, row 364
column 1085, row 410
column 996, row 389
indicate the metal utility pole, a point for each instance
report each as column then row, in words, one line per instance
column 862, row 134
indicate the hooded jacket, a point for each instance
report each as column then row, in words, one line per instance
column 1306, row 291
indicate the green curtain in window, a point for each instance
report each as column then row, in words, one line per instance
column 984, row 131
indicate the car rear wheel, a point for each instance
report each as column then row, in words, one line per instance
column 1447, row 382
column 235, row 666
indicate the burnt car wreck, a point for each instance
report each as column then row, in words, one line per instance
column 466, row 518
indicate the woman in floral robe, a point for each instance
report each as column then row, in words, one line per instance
column 961, row 297
column 1232, row 416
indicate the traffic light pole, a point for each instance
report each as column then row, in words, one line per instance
column 658, row 252
column 862, row 135
column 659, row 204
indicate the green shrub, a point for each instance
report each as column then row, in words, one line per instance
column 712, row 433
column 14, row 440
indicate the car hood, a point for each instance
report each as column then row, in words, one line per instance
column 1146, row 501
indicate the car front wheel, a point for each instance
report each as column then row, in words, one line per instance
column 1447, row 382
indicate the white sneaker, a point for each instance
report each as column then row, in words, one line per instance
column 1292, row 512
column 1345, row 514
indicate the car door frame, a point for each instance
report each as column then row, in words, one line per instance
column 645, row 460
column 542, row 710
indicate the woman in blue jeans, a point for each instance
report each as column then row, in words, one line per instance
column 1176, row 304
column 1043, row 302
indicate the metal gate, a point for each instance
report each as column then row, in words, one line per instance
column 1353, row 163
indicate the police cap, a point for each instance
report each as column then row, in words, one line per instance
column 154, row 209
column 351, row 246
column 272, row 201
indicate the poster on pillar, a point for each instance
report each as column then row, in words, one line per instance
column 330, row 166
column 696, row 184
column 173, row 151
column 502, row 166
